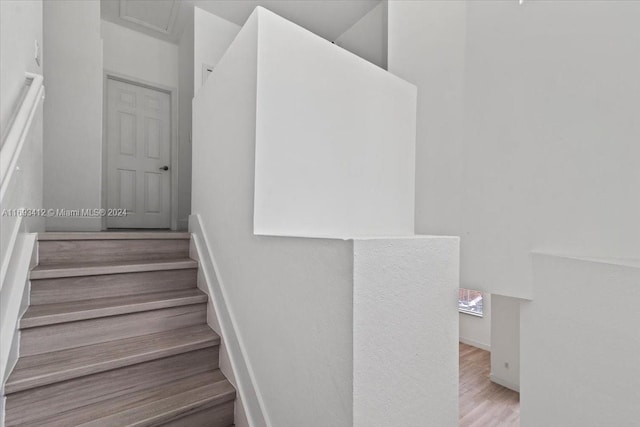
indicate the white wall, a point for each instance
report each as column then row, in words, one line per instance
column 427, row 47
column 213, row 35
column 139, row 56
column 300, row 353
column 475, row 330
column 405, row 332
column 505, row 341
column 367, row 38
column 549, row 158
column 552, row 160
column 580, row 344
column 185, row 99
column 335, row 140
column 72, row 111
column 20, row 28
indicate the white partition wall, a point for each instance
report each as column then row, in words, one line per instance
column 580, row 343
column 290, row 299
column 335, row 140
column 307, row 347
column 405, row 332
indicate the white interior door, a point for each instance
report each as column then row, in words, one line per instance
column 138, row 132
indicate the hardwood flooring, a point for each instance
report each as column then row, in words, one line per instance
column 483, row 403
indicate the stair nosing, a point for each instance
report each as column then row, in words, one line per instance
column 53, row 272
column 13, row 386
column 116, row 235
column 171, row 299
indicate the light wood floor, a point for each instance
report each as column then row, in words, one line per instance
column 483, row 403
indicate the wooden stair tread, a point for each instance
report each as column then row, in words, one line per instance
column 115, row 235
column 152, row 405
column 47, row 368
column 116, row 334
column 49, row 314
column 98, row 268
column 31, row 405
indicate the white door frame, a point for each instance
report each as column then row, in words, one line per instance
column 173, row 163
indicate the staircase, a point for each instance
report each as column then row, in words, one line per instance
column 116, row 335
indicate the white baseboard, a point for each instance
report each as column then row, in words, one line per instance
column 251, row 401
column 474, row 343
column 15, row 295
column 14, row 299
column 504, row 383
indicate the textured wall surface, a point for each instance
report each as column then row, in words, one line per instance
column 405, row 332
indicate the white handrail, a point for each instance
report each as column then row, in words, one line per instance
column 12, row 147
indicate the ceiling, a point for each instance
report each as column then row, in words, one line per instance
column 166, row 19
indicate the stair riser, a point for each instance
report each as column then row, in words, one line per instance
column 74, row 334
column 80, row 251
column 89, row 269
column 221, row 415
column 31, row 405
column 82, row 310
column 117, row 235
column 50, row 291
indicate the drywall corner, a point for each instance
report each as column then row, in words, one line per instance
column 367, row 38
column 505, row 341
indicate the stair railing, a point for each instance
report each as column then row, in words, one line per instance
column 14, row 193
column 19, row 130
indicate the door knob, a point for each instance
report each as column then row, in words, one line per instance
column 164, row 168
